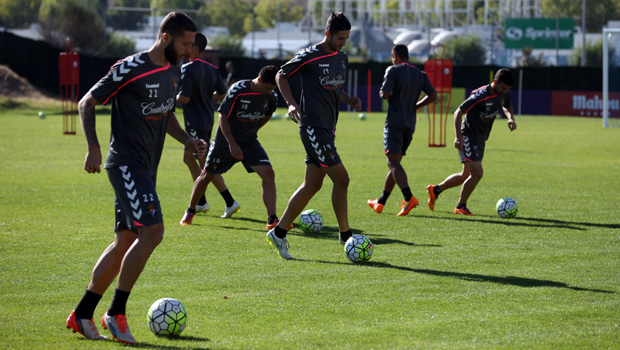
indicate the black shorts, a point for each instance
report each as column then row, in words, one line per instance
column 199, row 134
column 136, row 202
column 320, row 147
column 473, row 150
column 396, row 140
column 219, row 159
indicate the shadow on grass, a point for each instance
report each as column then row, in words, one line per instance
column 562, row 222
column 331, row 233
column 175, row 339
column 506, row 280
column 514, row 222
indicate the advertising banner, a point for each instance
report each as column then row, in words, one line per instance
column 583, row 103
column 539, row 33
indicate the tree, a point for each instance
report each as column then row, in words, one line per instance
column 75, row 19
column 466, row 50
column 267, row 14
column 598, row 12
column 229, row 46
column 527, row 60
column 231, row 13
column 129, row 20
column 174, row 4
column 18, row 13
column 594, row 54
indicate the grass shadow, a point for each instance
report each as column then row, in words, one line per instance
column 508, row 222
column 331, row 233
column 174, row 339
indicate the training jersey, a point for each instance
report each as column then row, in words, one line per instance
column 142, row 97
column 322, row 77
column 405, row 83
column 244, row 109
column 481, row 109
column 199, row 79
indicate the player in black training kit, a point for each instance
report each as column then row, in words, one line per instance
column 402, row 86
column 481, row 109
column 322, row 69
column 201, row 84
column 141, row 91
column 248, row 106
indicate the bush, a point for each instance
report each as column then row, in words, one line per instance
column 120, row 45
column 228, row 45
column 466, row 50
column 594, row 54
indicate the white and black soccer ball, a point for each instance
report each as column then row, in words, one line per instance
column 167, row 316
column 506, row 208
column 358, row 248
column 311, row 221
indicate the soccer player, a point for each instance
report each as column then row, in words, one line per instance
column 480, row 110
column 402, row 86
column 231, row 77
column 141, row 90
column 322, row 69
column 201, row 84
column 248, row 106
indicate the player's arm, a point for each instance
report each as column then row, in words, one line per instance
column 354, row 102
column 285, row 90
column 197, row 146
column 458, row 140
column 182, row 99
column 512, row 125
column 427, row 99
column 234, row 148
column 86, row 107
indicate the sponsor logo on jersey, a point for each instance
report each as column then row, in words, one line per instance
column 152, row 86
column 331, row 83
column 150, row 109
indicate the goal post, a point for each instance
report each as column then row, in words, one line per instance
column 611, row 77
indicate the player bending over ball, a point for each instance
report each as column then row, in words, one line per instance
column 402, row 86
column 322, row 69
column 480, row 110
column 201, row 84
column 141, row 90
column 248, row 106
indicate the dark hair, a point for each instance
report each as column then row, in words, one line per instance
column 200, row 42
column 268, row 74
column 337, row 22
column 175, row 23
column 401, row 52
column 504, row 75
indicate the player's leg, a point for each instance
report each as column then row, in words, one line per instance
column 199, row 188
column 268, row 187
column 190, row 160
column 475, row 175
column 454, row 180
column 105, row 271
column 339, row 176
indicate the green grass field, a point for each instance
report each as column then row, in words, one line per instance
column 547, row 279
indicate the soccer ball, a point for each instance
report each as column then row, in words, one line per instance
column 311, row 221
column 507, row 208
column 362, row 116
column 167, row 316
column 358, row 248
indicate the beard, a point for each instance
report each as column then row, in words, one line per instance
column 171, row 54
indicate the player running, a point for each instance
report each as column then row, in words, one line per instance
column 402, row 86
column 322, row 69
column 248, row 106
column 201, row 84
column 480, row 110
column 141, row 90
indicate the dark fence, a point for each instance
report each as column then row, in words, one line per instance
column 37, row 61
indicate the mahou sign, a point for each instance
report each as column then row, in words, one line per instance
column 583, row 103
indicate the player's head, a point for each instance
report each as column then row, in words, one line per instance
column 178, row 32
column 267, row 79
column 401, row 52
column 337, row 30
column 200, row 43
column 502, row 81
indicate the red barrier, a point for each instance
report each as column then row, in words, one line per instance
column 439, row 71
column 69, row 77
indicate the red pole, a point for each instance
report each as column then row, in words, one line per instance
column 369, row 98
